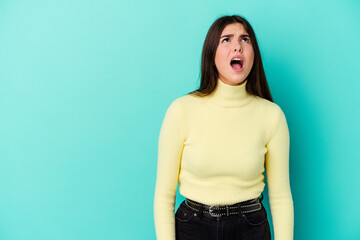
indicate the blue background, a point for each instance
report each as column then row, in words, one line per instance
column 84, row 86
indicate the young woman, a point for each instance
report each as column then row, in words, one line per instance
column 217, row 142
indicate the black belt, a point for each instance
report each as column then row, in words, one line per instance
column 226, row 210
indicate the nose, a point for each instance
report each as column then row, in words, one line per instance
column 237, row 46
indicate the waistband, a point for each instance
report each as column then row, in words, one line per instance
column 226, row 210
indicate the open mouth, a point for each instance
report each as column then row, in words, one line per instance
column 237, row 64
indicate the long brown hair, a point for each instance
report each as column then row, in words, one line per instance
column 256, row 80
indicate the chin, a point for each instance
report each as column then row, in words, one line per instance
column 234, row 82
column 238, row 81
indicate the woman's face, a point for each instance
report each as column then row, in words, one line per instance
column 235, row 44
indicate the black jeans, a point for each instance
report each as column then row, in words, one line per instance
column 193, row 225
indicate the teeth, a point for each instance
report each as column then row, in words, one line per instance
column 237, row 59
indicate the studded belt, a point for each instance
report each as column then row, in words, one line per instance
column 226, row 210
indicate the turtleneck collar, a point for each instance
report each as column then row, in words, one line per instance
column 229, row 96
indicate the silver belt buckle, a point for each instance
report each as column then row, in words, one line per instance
column 211, row 211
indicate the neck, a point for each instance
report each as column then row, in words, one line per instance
column 229, row 96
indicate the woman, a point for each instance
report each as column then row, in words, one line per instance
column 217, row 142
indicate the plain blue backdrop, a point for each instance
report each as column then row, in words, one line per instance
column 84, row 86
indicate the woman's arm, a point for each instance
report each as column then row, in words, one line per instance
column 170, row 146
column 277, row 172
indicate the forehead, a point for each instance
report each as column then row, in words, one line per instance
column 233, row 28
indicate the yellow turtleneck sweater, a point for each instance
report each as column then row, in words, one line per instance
column 217, row 147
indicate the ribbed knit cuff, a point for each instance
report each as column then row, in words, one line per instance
column 284, row 232
column 165, row 231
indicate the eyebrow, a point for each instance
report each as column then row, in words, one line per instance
column 231, row 35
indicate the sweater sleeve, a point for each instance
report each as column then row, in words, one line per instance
column 170, row 146
column 277, row 172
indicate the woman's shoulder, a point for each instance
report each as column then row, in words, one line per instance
column 267, row 105
column 188, row 100
column 181, row 102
